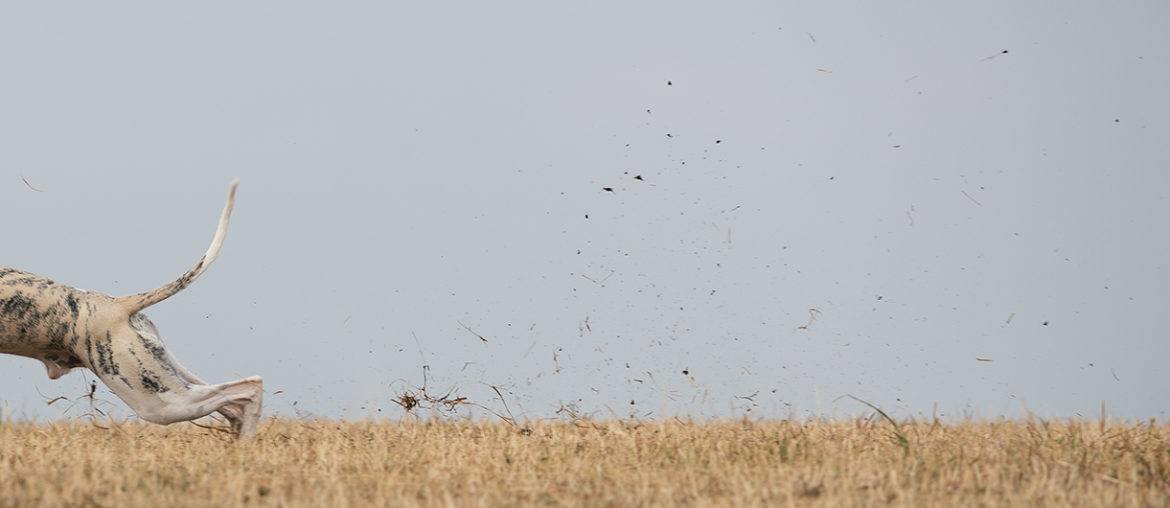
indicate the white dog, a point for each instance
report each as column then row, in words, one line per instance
column 65, row 327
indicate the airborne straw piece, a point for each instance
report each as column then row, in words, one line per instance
column 30, row 185
column 468, row 328
column 812, row 316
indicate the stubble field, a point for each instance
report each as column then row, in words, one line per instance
column 589, row 463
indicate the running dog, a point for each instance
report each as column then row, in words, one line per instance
column 65, row 328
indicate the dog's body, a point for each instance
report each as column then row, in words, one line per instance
column 65, row 328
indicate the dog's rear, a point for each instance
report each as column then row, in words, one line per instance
column 66, row 328
column 155, row 390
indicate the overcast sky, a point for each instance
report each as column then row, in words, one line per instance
column 635, row 205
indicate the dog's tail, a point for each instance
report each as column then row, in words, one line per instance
column 135, row 303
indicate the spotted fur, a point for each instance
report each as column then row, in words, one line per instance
column 66, row 328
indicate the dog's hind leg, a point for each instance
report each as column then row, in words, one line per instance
column 136, row 365
column 239, row 400
column 237, row 414
column 142, row 324
column 156, row 402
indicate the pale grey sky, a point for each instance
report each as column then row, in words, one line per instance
column 942, row 183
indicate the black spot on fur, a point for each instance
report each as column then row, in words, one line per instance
column 74, row 308
column 105, row 357
column 152, row 383
column 155, row 348
column 18, row 306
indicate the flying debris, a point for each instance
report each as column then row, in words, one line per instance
column 30, row 185
column 812, row 316
column 468, row 328
column 992, row 57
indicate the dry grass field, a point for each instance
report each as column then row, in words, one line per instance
column 585, row 463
